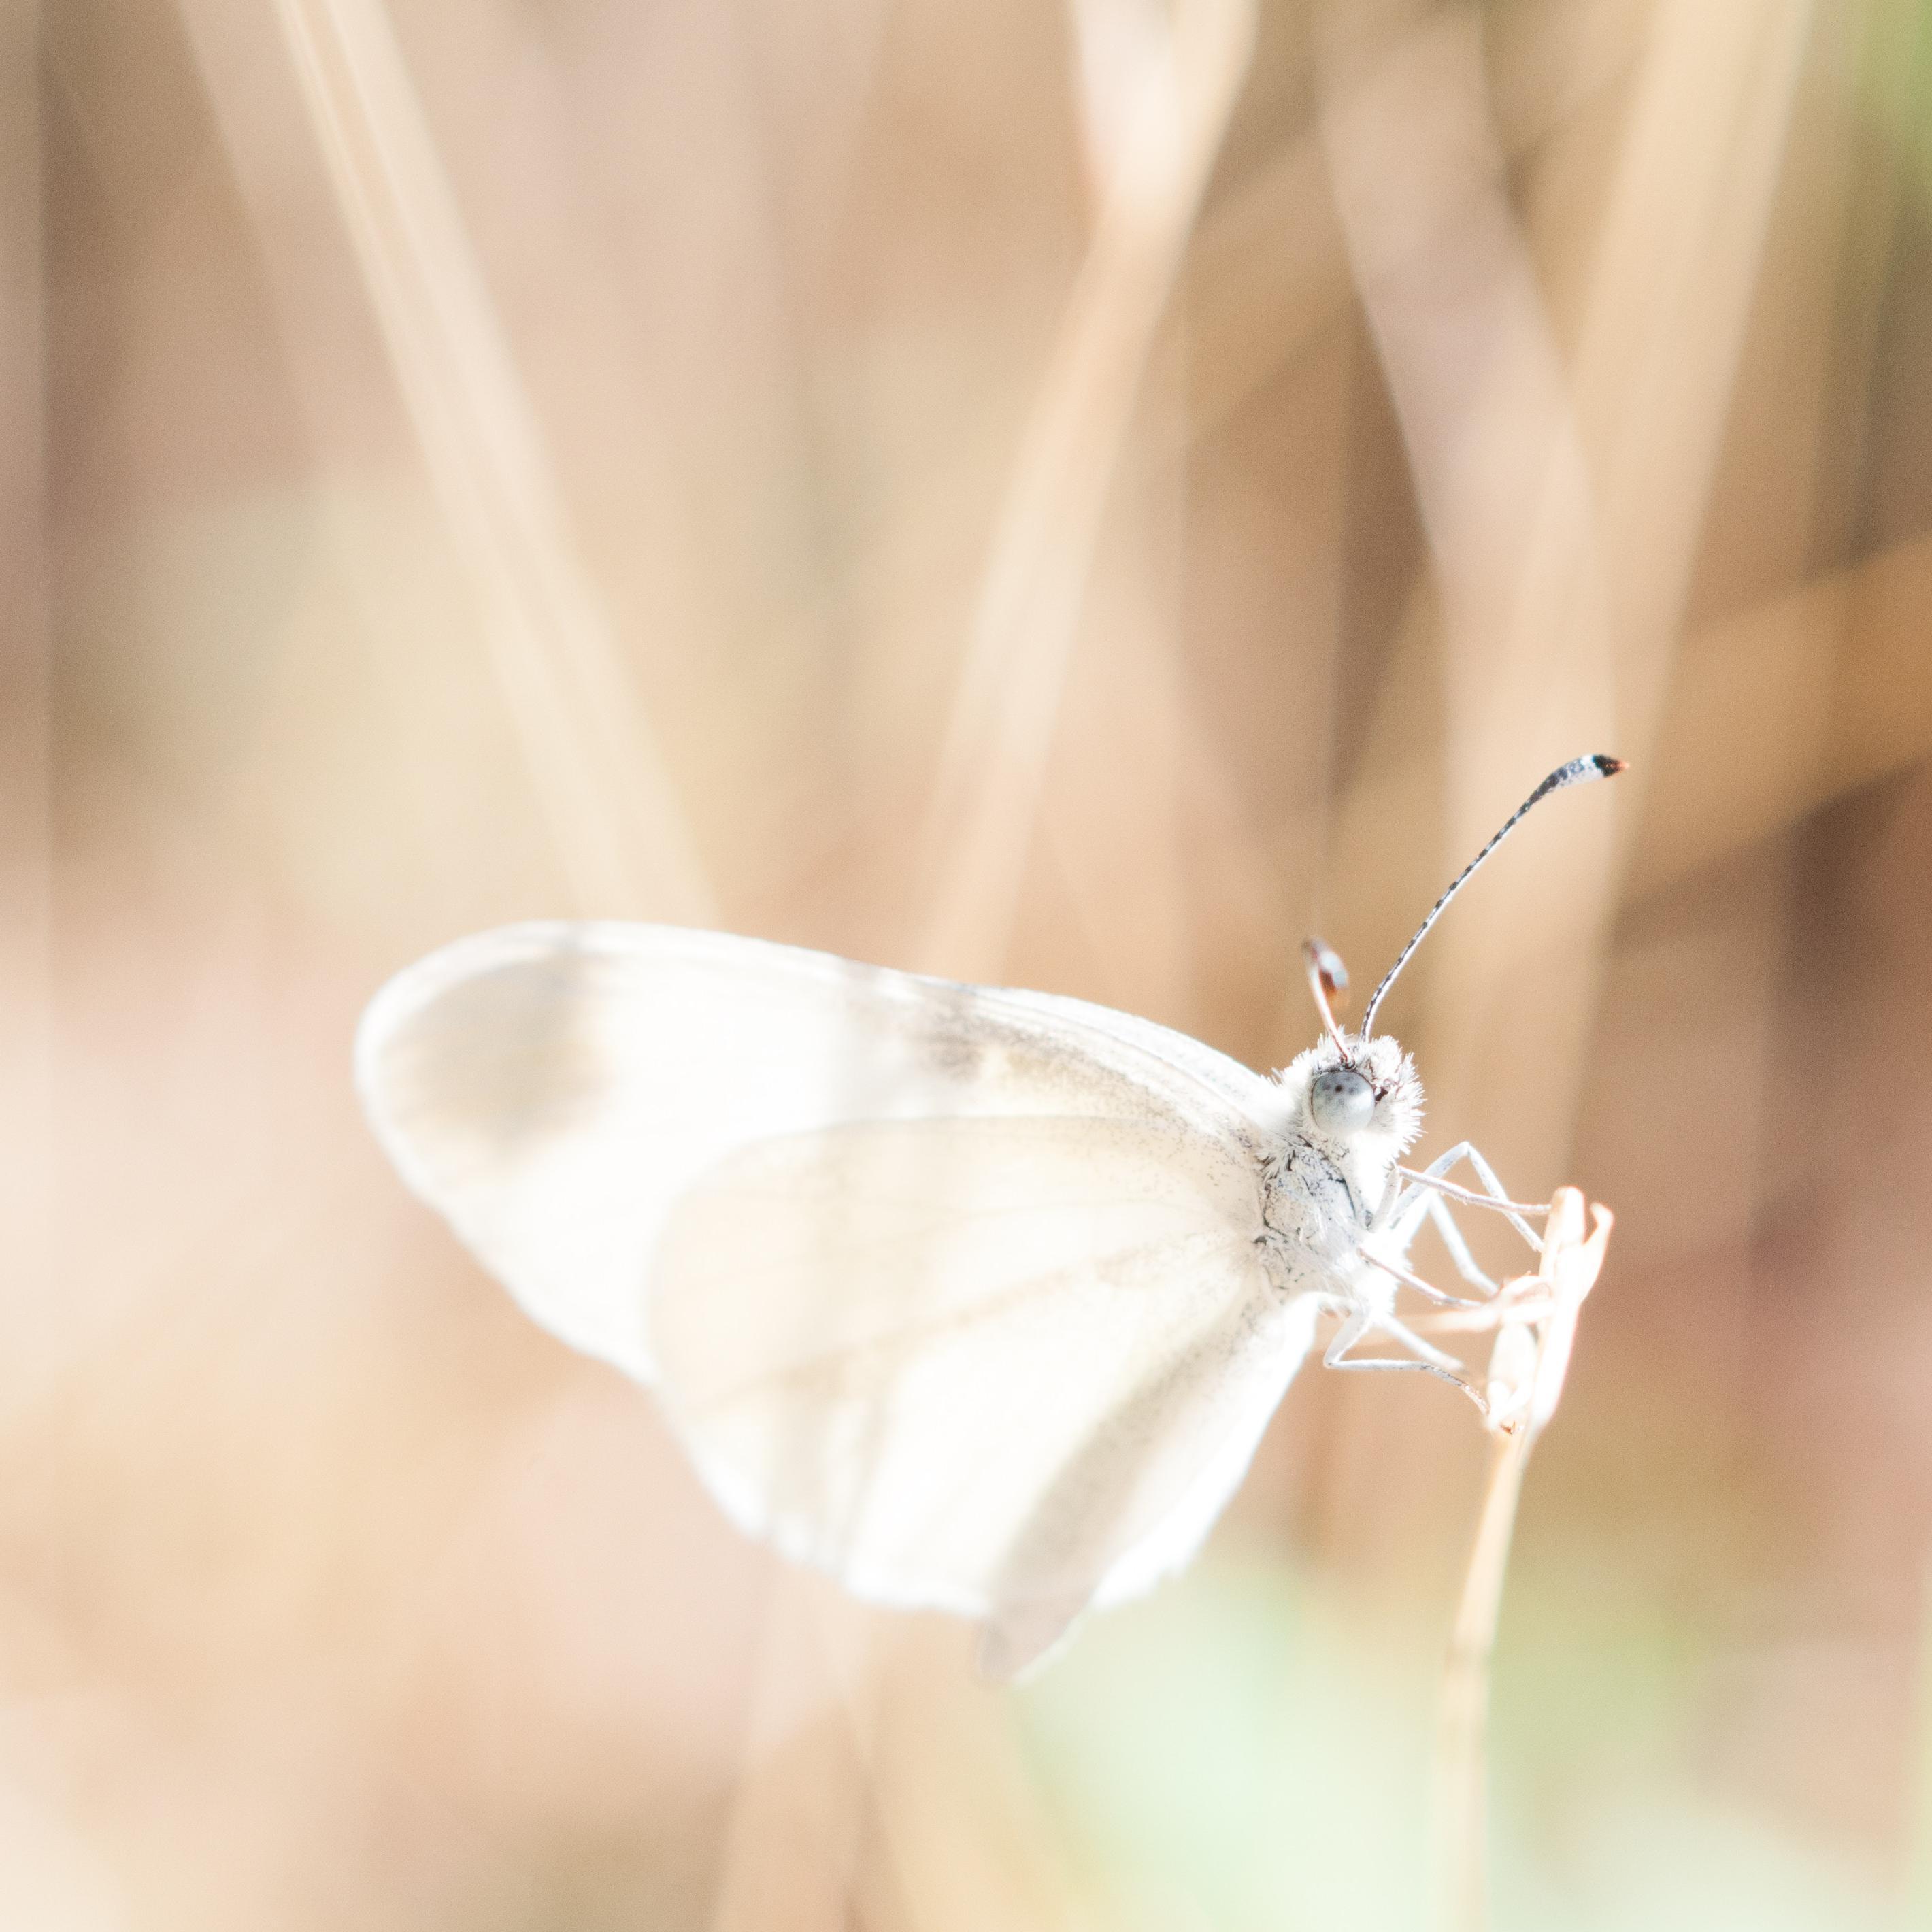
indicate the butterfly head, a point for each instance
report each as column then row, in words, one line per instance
column 1358, row 1093
column 1355, row 1093
column 1353, row 1096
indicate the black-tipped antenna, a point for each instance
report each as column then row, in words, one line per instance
column 1578, row 771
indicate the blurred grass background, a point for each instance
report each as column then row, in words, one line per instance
column 1081, row 498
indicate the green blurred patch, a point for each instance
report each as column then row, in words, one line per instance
column 1232, row 1745
column 1240, row 1752
column 1895, row 82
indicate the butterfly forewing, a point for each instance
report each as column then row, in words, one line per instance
column 952, row 1291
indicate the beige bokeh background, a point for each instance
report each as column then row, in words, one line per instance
column 1080, row 498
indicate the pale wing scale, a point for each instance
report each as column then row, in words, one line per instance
column 962, row 1210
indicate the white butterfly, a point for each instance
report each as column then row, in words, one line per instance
column 979, row 1299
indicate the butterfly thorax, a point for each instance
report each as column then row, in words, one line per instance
column 1312, row 1222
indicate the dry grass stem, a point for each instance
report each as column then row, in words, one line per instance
column 1154, row 97
column 600, row 779
column 27, row 1042
column 1529, row 1362
column 1155, row 93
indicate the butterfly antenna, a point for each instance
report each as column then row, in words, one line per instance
column 1578, row 771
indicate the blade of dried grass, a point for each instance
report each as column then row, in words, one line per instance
column 1268, row 270
column 612, row 809
column 1152, row 166
column 1915, row 1902
column 1829, row 685
column 795, row 1836
column 1156, row 99
column 26, row 711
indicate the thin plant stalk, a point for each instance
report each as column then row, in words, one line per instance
column 1463, row 1739
column 1151, row 170
column 1916, row 1902
column 1536, row 1317
column 598, row 772
column 1155, row 102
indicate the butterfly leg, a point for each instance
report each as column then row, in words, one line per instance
column 1427, row 1360
column 1494, row 1196
column 1410, row 1278
column 1425, row 1202
column 1399, row 1331
column 1406, row 1203
column 1438, row 1211
column 1402, row 1207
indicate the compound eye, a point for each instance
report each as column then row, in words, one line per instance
column 1341, row 1102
